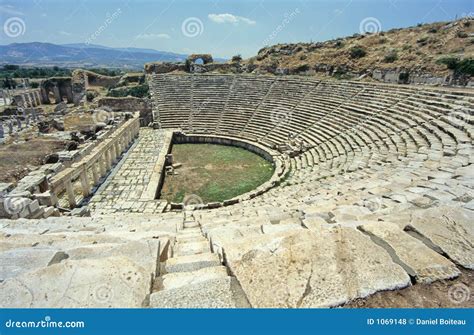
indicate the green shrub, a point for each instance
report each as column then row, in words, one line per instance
column 403, row 77
column 466, row 66
column 339, row 44
column 391, row 57
column 139, row 91
column 236, row 58
column 450, row 62
column 107, row 72
column 357, row 52
column 460, row 67
column 462, row 34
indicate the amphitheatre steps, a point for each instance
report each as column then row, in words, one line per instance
column 381, row 198
column 194, row 277
column 239, row 234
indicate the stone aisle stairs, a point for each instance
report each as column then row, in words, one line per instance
column 194, row 277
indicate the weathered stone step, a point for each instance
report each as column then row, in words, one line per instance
column 194, row 230
column 87, row 283
column 190, row 263
column 419, row 261
column 187, row 238
column 191, row 248
column 327, row 268
column 15, row 262
column 191, row 224
column 447, row 230
column 214, row 293
column 177, row 279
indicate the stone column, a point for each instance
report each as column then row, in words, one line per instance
column 102, row 165
column 70, row 194
column 117, row 149
column 31, row 101
column 111, row 156
column 85, row 183
column 37, row 98
column 34, row 115
column 120, row 144
column 108, row 165
column 95, row 173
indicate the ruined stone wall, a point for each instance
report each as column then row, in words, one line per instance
column 164, row 67
column 28, row 98
column 57, row 87
column 129, row 104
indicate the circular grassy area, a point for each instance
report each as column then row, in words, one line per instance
column 214, row 172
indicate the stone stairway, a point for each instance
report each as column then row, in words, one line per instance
column 194, row 276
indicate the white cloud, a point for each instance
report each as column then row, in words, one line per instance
column 64, row 33
column 153, row 36
column 10, row 10
column 229, row 18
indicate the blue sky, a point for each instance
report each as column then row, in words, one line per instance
column 221, row 27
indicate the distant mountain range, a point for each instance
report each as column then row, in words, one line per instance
column 82, row 55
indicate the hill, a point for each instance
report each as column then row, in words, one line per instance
column 431, row 51
column 81, row 55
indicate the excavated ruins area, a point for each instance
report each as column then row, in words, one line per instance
column 371, row 204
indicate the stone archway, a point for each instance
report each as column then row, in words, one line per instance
column 205, row 58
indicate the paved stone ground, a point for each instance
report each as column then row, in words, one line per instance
column 130, row 187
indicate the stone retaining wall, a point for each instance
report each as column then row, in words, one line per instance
column 130, row 104
column 280, row 164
